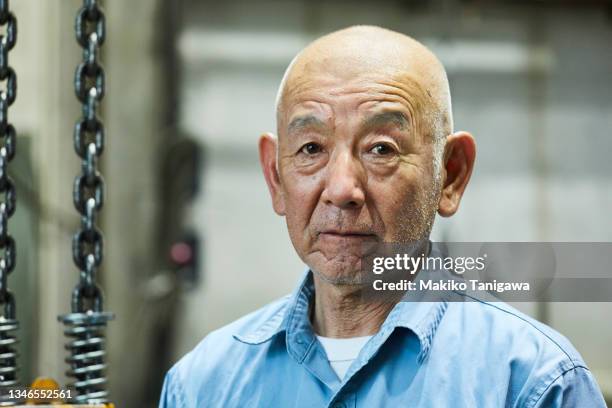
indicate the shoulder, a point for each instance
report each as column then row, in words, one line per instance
column 227, row 346
column 535, row 361
column 510, row 329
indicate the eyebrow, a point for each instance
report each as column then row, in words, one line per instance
column 396, row 117
column 303, row 122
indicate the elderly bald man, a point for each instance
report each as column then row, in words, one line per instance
column 366, row 153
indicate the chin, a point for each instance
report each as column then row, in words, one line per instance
column 343, row 270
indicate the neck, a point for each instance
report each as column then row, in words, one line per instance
column 342, row 311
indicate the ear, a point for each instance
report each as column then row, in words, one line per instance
column 459, row 156
column 268, row 146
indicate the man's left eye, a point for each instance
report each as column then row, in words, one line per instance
column 382, row 149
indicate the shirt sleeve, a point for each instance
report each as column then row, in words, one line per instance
column 171, row 394
column 575, row 388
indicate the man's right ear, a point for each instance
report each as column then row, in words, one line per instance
column 268, row 145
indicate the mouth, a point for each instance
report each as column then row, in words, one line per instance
column 350, row 235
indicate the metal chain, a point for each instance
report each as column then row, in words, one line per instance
column 7, row 147
column 88, row 193
column 86, row 322
column 8, row 140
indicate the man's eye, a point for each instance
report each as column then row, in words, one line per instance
column 311, row 148
column 382, row 149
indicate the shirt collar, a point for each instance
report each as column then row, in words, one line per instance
column 278, row 321
column 422, row 318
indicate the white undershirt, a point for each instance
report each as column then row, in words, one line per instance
column 342, row 352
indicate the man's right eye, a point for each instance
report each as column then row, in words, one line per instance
column 311, row 148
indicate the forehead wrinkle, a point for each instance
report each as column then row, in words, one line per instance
column 412, row 94
column 364, row 50
column 402, row 87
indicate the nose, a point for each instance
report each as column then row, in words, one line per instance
column 344, row 182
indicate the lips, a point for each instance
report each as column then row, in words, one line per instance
column 343, row 231
column 346, row 235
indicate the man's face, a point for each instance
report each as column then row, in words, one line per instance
column 355, row 164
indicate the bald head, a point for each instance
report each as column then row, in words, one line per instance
column 366, row 53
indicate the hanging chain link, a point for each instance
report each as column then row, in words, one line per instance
column 87, row 321
column 8, row 141
column 88, row 194
column 7, row 148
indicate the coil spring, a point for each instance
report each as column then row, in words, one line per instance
column 8, row 358
column 87, row 355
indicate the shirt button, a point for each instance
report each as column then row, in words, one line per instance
column 339, row 405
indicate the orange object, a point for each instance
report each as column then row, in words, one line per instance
column 42, row 383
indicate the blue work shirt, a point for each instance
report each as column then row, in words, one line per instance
column 426, row 354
